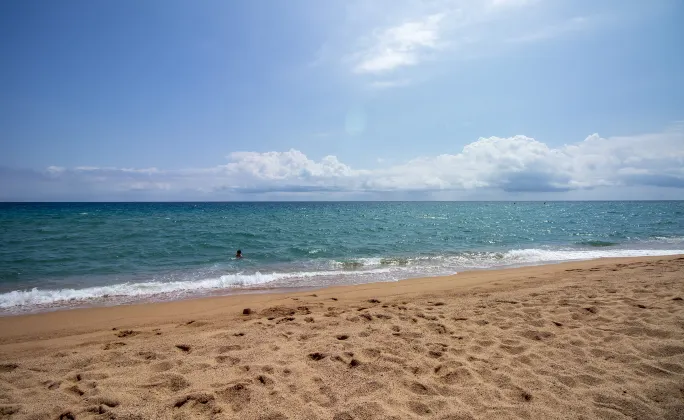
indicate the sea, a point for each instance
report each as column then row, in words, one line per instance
column 66, row 255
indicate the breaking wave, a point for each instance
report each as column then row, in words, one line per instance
column 362, row 270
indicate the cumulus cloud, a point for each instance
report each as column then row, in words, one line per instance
column 285, row 165
column 513, row 165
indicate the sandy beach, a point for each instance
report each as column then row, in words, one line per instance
column 601, row 339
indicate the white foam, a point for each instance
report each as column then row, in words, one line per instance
column 545, row 255
column 666, row 239
column 46, row 297
column 425, row 265
column 540, row 256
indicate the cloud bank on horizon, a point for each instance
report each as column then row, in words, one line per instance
column 516, row 164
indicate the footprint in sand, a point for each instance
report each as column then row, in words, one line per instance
column 110, row 346
column 317, row 356
column 148, row 355
column 420, row 389
column 196, row 405
column 76, row 390
column 167, row 381
column 265, row 380
column 6, row 411
column 127, row 333
column 232, row 347
column 52, row 384
column 8, row 367
column 161, row 367
column 419, row 408
column 237, row 395
column 107, row 401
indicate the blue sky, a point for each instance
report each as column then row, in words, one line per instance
column 376, row 99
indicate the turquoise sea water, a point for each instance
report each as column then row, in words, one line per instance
column 74, row 254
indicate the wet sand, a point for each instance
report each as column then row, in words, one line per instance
column 601, row 339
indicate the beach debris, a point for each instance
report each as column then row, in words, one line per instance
column 184, row 347
column 265, row 380
column 317, row 356
column 246, row 311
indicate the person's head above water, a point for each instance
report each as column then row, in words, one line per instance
column 238, row 254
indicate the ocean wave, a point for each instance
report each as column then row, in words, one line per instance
column 357, row 263
column 344, row 272
column 666, row 239
column 551, row 255
column 45, row 297
column 485, row 260
column 596, row 243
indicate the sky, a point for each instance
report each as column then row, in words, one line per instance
column 168, row 100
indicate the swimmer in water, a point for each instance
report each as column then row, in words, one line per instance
column 238, row 254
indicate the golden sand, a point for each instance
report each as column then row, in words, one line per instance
column 601, row 339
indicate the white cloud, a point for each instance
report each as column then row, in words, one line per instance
column 55, row 169
column 399, row 37
column 399, row 46
column 516, row 164
column 285, row 165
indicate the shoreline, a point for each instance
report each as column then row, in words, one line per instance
column 599, row 339
column 116, row 300
column 194, row 305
